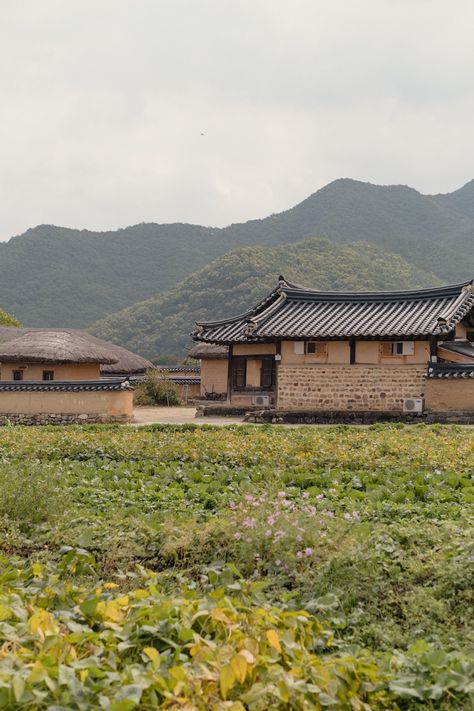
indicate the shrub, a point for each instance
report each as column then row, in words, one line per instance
column 31, row 493
column 156, row 390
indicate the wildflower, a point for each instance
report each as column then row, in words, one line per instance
column 278, row 562
column 278, row 536
column 248, row 522
column 271, row 520
column 305, row 495
column 282, row 494
column 268, row 532
column 299, row 538
column 233, row 505
column 257, row 557
column 299, row 554
column 323, row 534
column 248, row 497
column 320, row 497
column 308, row 552
column 237, row 536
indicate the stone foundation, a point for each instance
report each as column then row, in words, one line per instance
column 15, row 418
column 296, row 417
column 358, row 388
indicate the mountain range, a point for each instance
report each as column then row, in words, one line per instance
column 55, row 276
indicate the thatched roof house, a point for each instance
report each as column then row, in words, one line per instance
column 67, row 346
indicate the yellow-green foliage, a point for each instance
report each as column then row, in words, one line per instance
column 297, row 568
column 7, row 319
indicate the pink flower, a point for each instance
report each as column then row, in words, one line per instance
column 233, row 505
column 308, row 552
column 305, row 495
column 248, row 522
column 237, row 536
column 299, row 554
column 278, row 561
column 281, row 494
column 268, row 532
column 271, row 520
column 248, row 497
column 320, row 497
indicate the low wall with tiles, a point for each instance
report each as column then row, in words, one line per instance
column 349, row 387
column 61, row 407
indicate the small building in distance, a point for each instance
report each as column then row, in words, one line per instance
column 54, row 375
column 186, row 377
column 335, row 353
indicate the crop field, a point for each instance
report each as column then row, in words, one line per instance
column 186, row 567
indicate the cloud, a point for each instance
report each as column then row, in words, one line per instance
column 213, row 111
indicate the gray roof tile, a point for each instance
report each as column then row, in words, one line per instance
column 296, row 313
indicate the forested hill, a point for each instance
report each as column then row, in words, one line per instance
column 53, row 276
column 237, row 280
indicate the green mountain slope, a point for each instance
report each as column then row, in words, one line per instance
column 237, row 280
column 53, row 276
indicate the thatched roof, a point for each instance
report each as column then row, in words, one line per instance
column 66, row 345
column 127, row 361
column 201, row 351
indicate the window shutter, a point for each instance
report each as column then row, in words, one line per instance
column 299, row 347
column 386, row 348
column 408, row 347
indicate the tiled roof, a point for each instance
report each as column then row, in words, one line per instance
column 184, row 381
column 297, row 313
column 63, row 385
column 463, row 348
column 450, row 370
column 179, row 368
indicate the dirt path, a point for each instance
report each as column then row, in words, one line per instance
column 178, row 416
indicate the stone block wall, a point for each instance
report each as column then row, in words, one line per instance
column 44, row 418
column 349, row 387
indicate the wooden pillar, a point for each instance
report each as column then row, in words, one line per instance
column 277, row 365
column 230, row 371
column 352, row 346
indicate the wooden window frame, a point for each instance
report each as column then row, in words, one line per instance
column 47, row 373
column 268, row 366
column 17, row 374
column 320, row 348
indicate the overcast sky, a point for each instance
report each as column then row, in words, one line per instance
column 115, row 112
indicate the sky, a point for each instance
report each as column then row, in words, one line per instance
column 116, row 112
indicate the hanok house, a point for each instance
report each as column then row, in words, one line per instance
column 329, row 352
column 54, row 375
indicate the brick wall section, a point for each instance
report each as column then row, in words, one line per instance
column 348, row 387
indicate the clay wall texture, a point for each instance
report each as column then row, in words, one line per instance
column 34, row 371
column 213, row 376
column 94, row 404
column 449, row 395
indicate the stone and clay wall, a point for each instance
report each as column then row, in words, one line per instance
column 349, row 387
column 53, row 407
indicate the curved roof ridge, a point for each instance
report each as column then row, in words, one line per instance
column 246, row 314
column 424, row 293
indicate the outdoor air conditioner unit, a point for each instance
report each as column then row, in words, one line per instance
column 261, row 400
column 413, row 404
